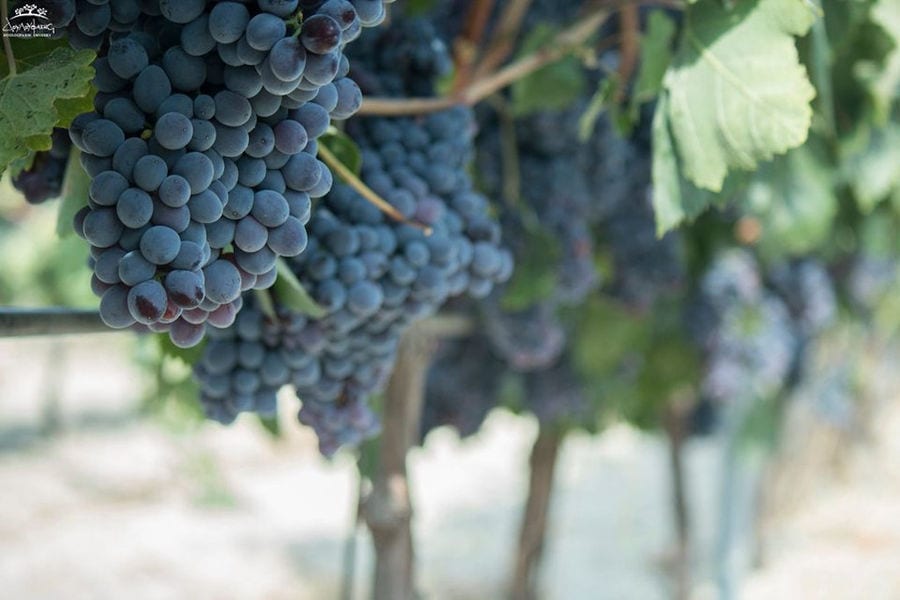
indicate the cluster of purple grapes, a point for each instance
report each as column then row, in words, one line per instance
column 462, row 386
column 745, row 331
column 374, row 275
column 43, row 180
column 202, row 147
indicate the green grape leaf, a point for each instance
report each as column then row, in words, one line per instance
column 28, row 101
column 656, row 55
column 736, row 91
column 534, row 277
column 292, row 295
column 622, row 333
column 271, row 424
column 343, row 148
column 871, row 165
column 885, row 85
column 794, row 201
column 30, row 52
column 675, row 200
column 606, row 91
column 188, row 356
column 553, row 87
column 74, row 194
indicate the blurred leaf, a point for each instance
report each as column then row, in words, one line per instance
column 343, row 148
column 271, row 425
column 188, row 356
column 793, row 199
column 605, row 334
column 675, row 199
column 884, row 84
column 872, row 170
column 606, row 91
column 554, row 87
column 736, row 91
column 656, row 55
column 534, row 277
column 74, row 194
column 292, row 295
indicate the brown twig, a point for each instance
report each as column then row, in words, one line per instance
column 676, row 427
column 365, row 191
column 509, row 150
column 504, row 39
column 629, row 46
column 465, row 48
column 533, row 529
column 388, row 508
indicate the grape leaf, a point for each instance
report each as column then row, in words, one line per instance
column 737, row 93
column 74, row 194
column 884, row 86
column 793, row 199
column 270, row 424
column 555, row 86
column 188, row 356
column 674, row 199
column 28, row 101
column 606, row 92
column 344, row 148
column 291, row 293
column 656, row 46
column 870, row 164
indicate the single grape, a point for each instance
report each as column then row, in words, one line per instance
column 223, row 282
column 147, row 301
column 264, row 30
column 134, row 208
column 127, row 58
column 227, row 21
column 321, row 34
column 185, row 288
column 160, row 245
column 173, row 130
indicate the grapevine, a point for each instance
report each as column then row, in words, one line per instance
column 392, row 217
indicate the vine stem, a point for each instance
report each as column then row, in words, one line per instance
column 504, row 39
column 24, row 322
column 365, row 191
column 7, row 46
column 388, row 508
column 676, row 427
column 562, row 44
column 466, row 46
column 533, row 528
column 629, row 23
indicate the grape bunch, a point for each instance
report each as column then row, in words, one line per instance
column 43, row 180
column 746, row 334
column 869, row 280
column 374, row 275
column 556, row 395
column 202, row 148
column 806, row 287
column 528, row 339
column 462, row 386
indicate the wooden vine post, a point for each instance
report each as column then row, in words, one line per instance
column 533, row 529
column 676, row 427
column 387, row 509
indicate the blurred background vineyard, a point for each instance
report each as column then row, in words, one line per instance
column 115, row 487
